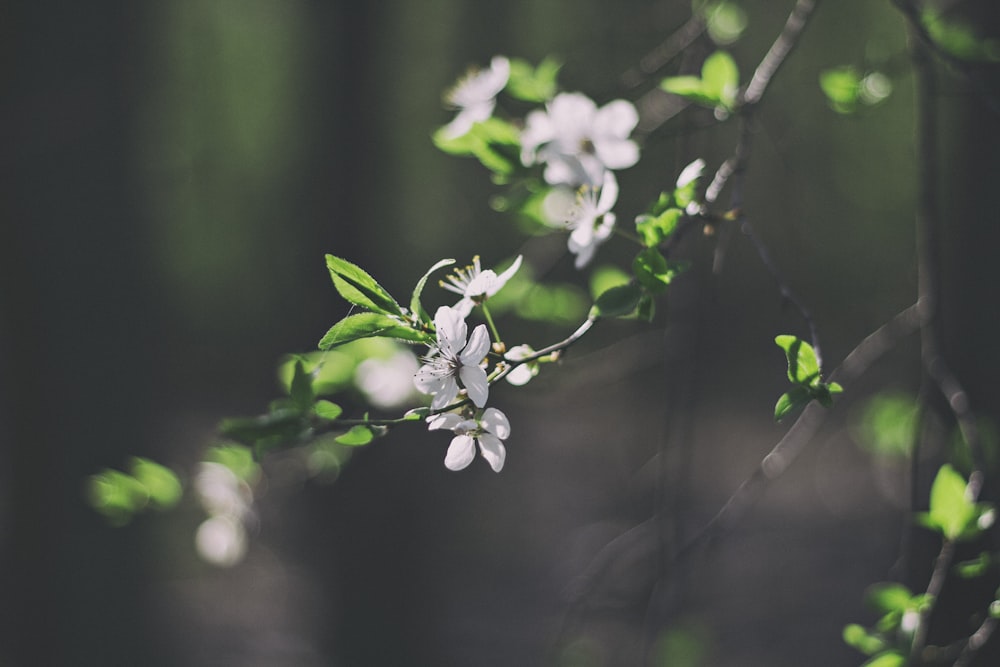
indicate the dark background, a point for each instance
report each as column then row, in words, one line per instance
column 173, row 174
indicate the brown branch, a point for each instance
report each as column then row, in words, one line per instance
column 779, row 50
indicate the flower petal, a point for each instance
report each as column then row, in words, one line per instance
column 446, row 395
column 496, row 423
column 507, row 275
column 451, row 330
column 461, row 451
column 475, row 383
column 615, row 119
column 447, row 420
column 616, row 153
column 479, row 345
column 492, row 450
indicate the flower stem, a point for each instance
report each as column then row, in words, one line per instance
column 490, row 324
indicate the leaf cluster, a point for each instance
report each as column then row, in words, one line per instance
column 805, row 376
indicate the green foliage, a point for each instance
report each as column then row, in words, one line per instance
column 365, row 325
column 654, row 229
column 119, row 495
column 357, row 435
column 654, row 272
column 327, row 410
column 724, row 20
column 804, row 374
column 716, row 88
column 617, row 301
column 959, row 40
column 952, row 513
column 976, row 567
column 357, row 287
column 846, row 89
column 416, row 307
column 494, row 142
column 237, row 458
column 888, row 424
column 533, row 84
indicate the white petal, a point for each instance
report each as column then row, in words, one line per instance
column 507, row 275
column 609, row 193
column 615, row 119
column 428, row 380
column 616, row 153
column 538, row 130
column 492, row 450
column 474, row 380
column 572, row 113
column 468, row 117
column 447, row 420
column 479, row 345
column 464, row 306
column 521, row 375
column 446, row 395
column 496, row 423
column 690, row 172
column 451, row 330
column 461, row 451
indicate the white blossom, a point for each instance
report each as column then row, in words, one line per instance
column 489, row 431
column 475, row 96
column 523, row 373
column 476, row 285
column 691, row 173
column 587, row 217
column 454, row 359
column 578, row 142
column 387, row 383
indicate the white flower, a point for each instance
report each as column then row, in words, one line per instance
column 523, row 373
column 577, row 141
column 476, row 285
column 588, row 218
column 489, row 431
column 475, row 96
column 691, row 172
column 386, row 383
column 454, row 359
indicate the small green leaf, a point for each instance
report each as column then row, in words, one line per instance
column 951, row 513
column 415, row 306
column 721, row 78
column 283, row 424
column 859, row 638
column 653, row 271
column 646, row 309
column 116, row 495
column 690, row 88
column 887, row 659
column 803, row 368
column 161, row 484
column 842, row 86
column 886, row 597
column 358, row 435
column 977, row 567
column 365, row 325
column 301, row 390
column 416, row 414
column 237, row 458
column 327, row 410
column 725, row 21
column 888, row 424
column 617, row 301
column 359, row 288
column 654, row 229
column 533, row 84
column 792, row 400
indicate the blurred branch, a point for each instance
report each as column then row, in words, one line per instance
column 779, row 50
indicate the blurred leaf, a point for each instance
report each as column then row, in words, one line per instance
column 725, row 21
column 533, row 84
column 301, row 391
column 237, row 458
column 803, row 367
column 958, row 39
column 116, row 495
column 976, row 567
column 358, row 435
column 359, row 288
column 415, row 306
column 721, row 78
column 282, row 425
column 841, row 86
column 860, row 638
column 690, row 88
column 888, row 424
column 605, row 277
column 327, row 410
column 161, row 484
column 886, row 597
column 887, row 659
column 364, row 325
column 617, row 301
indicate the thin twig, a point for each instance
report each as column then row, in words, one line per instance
column 779, row 50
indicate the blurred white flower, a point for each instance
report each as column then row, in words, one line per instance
column 221, row 540
column 523, row 373
column 475, row 96
column 489, row 431
column 454, row 359
column 577, row 142
column 387, row 383
column 221, row 492
column 476, row 285
column 590, row 220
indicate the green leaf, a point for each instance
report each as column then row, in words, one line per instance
column 161, row 484
column 886, row 597
column 237, row 458
column 116, row 495
column 358, row 435
column 859, row 638
column 888, row 424
column 655, row 229
column 721, row 78
column 977, row 567
column 842, row 86
column 653, row 271
column 803, row 368
column 725, row 21
column 533, row 84
column 690, row 88
column 327, row 410
column 301, row 389
column 958, row 39
column 887, row 659
column 617, row 301
column 646, row 309
column 281, row 425
column 359, row 288
column 792, row 400
column 415, row 306
column 365, row 325
column 605, row 277
column 951, row 513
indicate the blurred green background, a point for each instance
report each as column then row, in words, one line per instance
column 173, row 174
